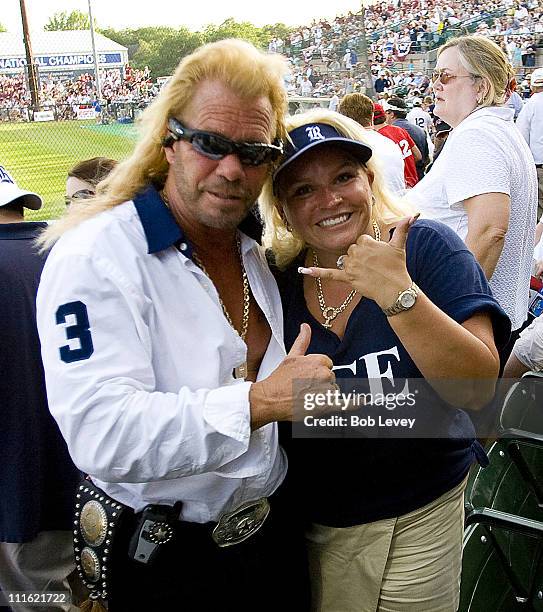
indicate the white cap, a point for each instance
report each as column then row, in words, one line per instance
column 10, row 192
column 416, row 102
column 536, row 80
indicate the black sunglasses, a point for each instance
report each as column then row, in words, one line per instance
column 216, row 147
column 82, row 194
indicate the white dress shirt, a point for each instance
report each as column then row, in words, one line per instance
column 388, row 155
column 144, row 392
column 530, row 124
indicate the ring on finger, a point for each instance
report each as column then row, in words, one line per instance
column 340, row 263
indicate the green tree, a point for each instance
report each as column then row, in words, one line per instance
column 232, row 29
column 164, row 53
column 3, row 28
column 76, row 20
column 159, row 48
column 128, row 38
column 278, row 29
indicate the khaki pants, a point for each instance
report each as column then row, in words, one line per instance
column 407, row 564
column 43, row 564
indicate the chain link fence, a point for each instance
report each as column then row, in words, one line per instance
column 54, row 115
column 39, row 152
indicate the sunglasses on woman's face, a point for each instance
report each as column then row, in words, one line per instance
column 444, row 77
column 82, row 194
column 216, row 147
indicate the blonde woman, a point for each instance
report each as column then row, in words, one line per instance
column 483, row 184
column 386, row 515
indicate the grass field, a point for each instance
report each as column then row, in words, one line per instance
column 38, row 155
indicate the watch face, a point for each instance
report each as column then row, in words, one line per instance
column 407, row 299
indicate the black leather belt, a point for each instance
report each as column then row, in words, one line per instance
column 232, row 528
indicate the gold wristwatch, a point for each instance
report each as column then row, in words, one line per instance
column 406, row 300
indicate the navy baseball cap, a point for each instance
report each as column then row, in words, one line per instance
column 312, row 135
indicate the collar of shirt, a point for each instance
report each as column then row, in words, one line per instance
column 162, row 231
column 500, row 112
column 22, row 230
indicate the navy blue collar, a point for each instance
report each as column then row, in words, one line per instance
column 158, row 223
column 162, row 231
column 22, row 230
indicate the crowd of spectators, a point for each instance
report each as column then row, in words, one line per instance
column 127, row 86
column 323, row 55
column 325, row 51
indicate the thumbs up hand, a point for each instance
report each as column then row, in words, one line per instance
column 280, row 396
column 377, row 270
column 302, row 342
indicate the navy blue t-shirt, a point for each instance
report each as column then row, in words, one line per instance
column 37, row 477
column 345, row 482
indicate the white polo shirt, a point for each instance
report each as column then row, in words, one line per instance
column 486, row 153
column 139, row 363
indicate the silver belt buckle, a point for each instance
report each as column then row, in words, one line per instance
column 235, row 527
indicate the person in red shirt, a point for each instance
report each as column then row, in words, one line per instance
column 410, row 151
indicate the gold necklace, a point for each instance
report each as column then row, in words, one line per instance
column 330, row 313
column 246, row 293
column 241, row 370
column 164, row 197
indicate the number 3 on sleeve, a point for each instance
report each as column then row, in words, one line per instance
column 80, row 330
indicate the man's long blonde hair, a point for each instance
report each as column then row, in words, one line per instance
column 250, row 73
column 286, row 244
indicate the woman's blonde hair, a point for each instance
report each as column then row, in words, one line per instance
column 282, row 240
column 483, row 58
column 248, row 72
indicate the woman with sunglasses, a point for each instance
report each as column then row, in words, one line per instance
column 84, row 176
column 409, row 302
column 483, row 185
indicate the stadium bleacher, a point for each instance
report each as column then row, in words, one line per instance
column 400, row 35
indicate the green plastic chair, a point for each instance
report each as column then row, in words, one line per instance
column 502, row 569
column 521, row 415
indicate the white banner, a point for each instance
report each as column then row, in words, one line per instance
column 86, row 113
column 44, row 116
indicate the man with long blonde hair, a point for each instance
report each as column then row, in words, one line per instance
column 162, row 342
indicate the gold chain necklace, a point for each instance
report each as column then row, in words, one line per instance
column 331, row 312
column 164, row 197
column 246, row 293
column 242, row 370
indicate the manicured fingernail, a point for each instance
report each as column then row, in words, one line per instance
column 302, row 270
